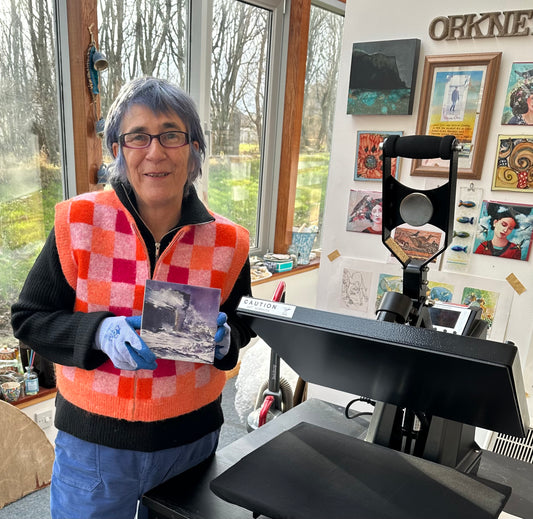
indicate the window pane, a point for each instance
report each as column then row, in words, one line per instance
column 142, row 38
column 239, row 65
column 325, row 34
column 30, row 163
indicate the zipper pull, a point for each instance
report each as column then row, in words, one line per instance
column 157, row 247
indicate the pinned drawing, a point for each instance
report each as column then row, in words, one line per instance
column 355, row 289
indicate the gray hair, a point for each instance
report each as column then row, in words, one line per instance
column 160, row 96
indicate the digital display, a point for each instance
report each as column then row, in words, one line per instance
column 447, row 317
column 444, row 317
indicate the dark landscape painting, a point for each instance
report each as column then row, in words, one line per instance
column 179, row 321
column 383, row 77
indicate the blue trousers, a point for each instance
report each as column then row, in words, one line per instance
column 92, row 481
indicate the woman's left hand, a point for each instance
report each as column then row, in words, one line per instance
column 222, row 336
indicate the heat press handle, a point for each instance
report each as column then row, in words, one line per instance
column 419, row 146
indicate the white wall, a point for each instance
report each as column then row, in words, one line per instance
column 40, row 407
column 410, row 19
column 301, row 289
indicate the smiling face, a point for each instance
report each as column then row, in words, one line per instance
column 156, row 174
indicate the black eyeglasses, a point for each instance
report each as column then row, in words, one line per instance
column 139, row 140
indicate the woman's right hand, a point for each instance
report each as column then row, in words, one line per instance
column 117, row 338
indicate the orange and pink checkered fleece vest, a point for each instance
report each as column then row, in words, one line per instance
column 106, row 263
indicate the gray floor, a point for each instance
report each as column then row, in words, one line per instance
column 36, row 505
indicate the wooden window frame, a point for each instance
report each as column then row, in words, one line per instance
column 87, row 146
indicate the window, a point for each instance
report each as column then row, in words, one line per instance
column 241, row 132
column 146, row 37
column 142, row 38
column 184, row 41
column 323, row 54
column 30, row 154
column 231, row 55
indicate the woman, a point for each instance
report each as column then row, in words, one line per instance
column 503, row 222
column 376, row 217
column 521, row 102
column 126, row 421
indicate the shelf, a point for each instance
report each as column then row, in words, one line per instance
column 299, row 269
column 43, row 395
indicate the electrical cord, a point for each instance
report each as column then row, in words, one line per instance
column 357, row 415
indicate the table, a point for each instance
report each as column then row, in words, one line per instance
column 188, row 495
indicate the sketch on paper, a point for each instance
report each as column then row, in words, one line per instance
column 179, row 321
column 355, row 289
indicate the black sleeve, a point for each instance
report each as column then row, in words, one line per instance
column 241, row 333
column 43, row 318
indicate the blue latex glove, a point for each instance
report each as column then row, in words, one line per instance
column 117, row 338
column 222, row 336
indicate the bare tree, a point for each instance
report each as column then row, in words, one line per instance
column 237, row 72
column 321, row 78
column 42, row 41
column 27, row 47
column 142, row 38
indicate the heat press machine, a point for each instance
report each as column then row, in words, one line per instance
column 432, row 388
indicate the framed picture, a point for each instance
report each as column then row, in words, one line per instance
column 513, row 170
column 180, row 321
column 369, row 156
column 365, row 210
column 518, row 107
column 383, row 77
column 504, row 230
column 487, row 300
column 456, row 99
column 417, row 243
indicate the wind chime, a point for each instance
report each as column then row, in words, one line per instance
column 95, row 63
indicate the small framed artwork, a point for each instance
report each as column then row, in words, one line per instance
column 513, row 170
column 417, row 243
column 180, row 321
column 369, row 156
column 504, row 230
column 383, row 77
column 365, row 210
column 456, row 99
column 388, row 283
column 440, row 291
column 487, row 300
column 518, row 107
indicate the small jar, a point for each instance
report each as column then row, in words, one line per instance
column 31, row 381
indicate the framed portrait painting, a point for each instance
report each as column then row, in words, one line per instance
column 456, row 99
column 365, row 211
column 504, row 230
column 383, row 77
column 369, row 155
column 518, row 107
column 513, row 170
